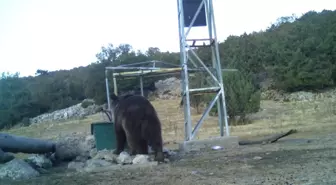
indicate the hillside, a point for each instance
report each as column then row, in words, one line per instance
column 288, row 56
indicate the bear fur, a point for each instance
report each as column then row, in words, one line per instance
column 136, row 121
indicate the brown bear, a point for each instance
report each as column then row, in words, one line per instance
column 136, row 121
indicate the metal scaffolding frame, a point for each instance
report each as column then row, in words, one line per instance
column 145, row 71
column 216, row 72
column 141, row 72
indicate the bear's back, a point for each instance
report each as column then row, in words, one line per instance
column 137, row 108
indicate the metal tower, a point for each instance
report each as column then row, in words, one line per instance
column 193, row 13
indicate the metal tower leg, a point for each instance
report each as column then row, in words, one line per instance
column 184, row 74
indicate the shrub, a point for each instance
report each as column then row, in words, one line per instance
column 241, row 96
column 85, row 103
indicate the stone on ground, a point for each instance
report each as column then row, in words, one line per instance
column 124, row 158
column 140, row 159
column 39, row 161
column 17, row 169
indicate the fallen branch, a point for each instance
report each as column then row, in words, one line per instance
column 267, row 140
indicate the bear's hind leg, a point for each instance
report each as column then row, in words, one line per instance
column 121, row 141
column 132, row 143
column 142, row 147
column 139, row 147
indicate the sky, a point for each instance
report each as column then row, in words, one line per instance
column 63, row 34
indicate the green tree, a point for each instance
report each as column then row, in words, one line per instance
column 241, row 97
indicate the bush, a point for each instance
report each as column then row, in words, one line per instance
column 241, row 96
column 86, row 103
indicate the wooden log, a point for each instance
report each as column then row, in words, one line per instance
column 19, row 144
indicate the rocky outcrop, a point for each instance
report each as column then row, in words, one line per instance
column 169, row 88
column 76, row 111
column 297, row 96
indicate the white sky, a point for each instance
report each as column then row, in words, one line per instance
column 62, row 34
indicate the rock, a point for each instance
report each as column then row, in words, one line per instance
column 81, row 158
column 75, row 111
column 166, row 160
column 168, row 88
column 39, row 161
column 296, row 96
column 65, row 151
column 106, row 155
column 301, row 96
column 93, row 152
column 69, row 147
column 273, row 95
column 168, row 152
column 90, row 141
column 17, row 169
column 5, row 157
column 87, row 102
column 140, row 159
column 76, row 165
column 257, row 158
column 124, row 158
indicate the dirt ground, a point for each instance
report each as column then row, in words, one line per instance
column 290, row 161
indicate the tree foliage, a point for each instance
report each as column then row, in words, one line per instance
column 297, row 53
column 241, row 95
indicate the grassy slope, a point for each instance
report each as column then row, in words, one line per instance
column 307, row 117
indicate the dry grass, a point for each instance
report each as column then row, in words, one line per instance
column 309, row 118
column 316, row 117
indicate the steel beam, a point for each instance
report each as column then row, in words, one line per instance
column 184, row 72
column 107, row 90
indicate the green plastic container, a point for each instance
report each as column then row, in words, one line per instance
column 104, row 135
